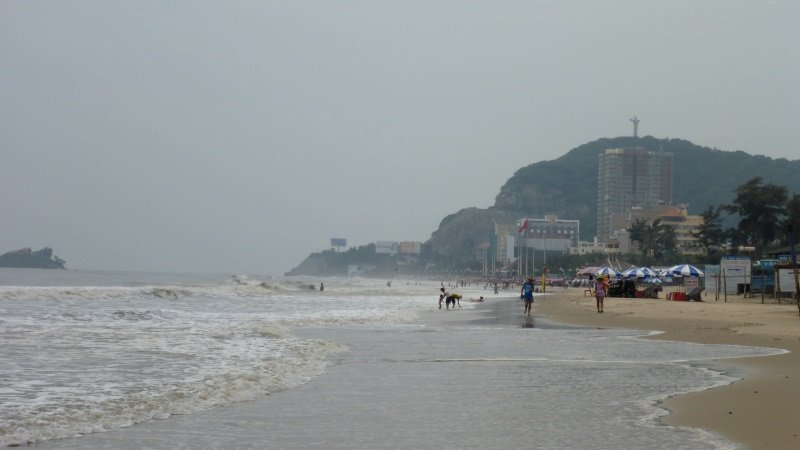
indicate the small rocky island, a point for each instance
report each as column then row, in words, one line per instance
column 25, row 258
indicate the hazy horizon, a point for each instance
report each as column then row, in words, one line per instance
column 238, row 137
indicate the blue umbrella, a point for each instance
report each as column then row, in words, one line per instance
column 686, row 270
column 640, row 272
column 608, row 272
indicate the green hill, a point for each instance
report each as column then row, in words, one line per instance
column 566, row 186
column 25, row 258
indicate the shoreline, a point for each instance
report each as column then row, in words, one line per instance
column 759, row 411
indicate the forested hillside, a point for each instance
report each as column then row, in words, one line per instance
column 566, row 186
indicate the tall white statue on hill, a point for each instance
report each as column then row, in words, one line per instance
column 635, row 121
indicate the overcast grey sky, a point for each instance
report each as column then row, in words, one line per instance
column 238, row 136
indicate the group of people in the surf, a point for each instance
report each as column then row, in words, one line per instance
column 448, row 299
column 452, row 300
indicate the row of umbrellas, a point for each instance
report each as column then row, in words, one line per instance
column 684, row 270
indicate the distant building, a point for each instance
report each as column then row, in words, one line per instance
column 516, row 246
column 595, row 247
column 627, row 178
column 676, row 216
column 551, row 233
column 540, row 237
column 410, row 247
column 504, row 235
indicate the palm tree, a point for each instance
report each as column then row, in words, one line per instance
column 654, row 238
column 637, row 232
column 760, row 207
column 710, row 234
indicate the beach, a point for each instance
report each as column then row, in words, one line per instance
column 762, row 410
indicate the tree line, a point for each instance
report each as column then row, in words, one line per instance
column 765, row 215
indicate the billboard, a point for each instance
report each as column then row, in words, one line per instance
column 338, row 242
column 410, row 248
column 786, row 280
column 386, row 247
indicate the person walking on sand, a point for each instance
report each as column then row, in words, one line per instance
column 527, row 295
column 442, row 296
column 600, row 291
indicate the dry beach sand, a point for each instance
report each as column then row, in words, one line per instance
column 762, row 411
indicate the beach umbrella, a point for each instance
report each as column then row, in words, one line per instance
column 607, row 272
column 686, row 270
column 639, row 272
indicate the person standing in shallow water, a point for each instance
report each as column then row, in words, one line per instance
column 321, row 287
column 527, row 295
column 600, row 291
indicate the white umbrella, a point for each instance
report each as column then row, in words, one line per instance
column 640, row 272
column 686, row 270
column 608, row 272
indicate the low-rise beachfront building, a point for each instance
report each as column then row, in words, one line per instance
column 531, row 238
column 549, row 234
column 596, row 247
column 675, row 216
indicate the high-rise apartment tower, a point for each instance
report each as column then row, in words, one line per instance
column 630, row 177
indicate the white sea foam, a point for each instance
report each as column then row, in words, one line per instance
column 110, row 356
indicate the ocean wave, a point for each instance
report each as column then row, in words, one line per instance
column 65, row 293
column 169, row 293
column 91, row 293
column 112, row 356
column 300, row 361
column 139, row 315
column 236, row 287
column 271, row 330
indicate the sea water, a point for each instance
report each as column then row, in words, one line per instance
column 211, row 361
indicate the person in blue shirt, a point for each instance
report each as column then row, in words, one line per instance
column 527, row 295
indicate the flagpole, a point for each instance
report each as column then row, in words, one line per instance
column 519, row 253
column 792, row 239
column 520, row 233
